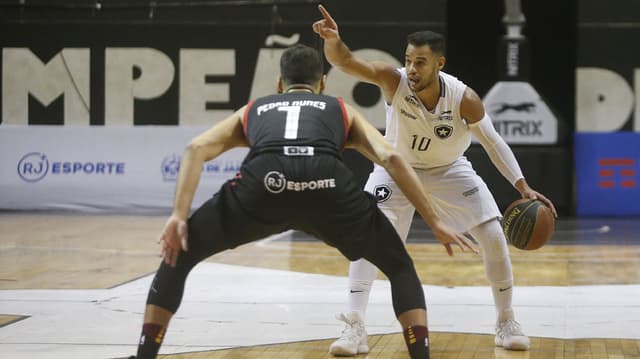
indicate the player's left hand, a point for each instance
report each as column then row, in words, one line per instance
column 531, row 194
column 527, row 192
column 174, row 239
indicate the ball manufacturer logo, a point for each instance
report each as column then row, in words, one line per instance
column 506, row 222
column 382, row 192
column 33, row 167
column 275, row 182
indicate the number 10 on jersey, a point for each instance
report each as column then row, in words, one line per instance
column 420, row 143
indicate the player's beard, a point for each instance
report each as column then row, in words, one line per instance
column 419, row 85
column 423, row 83
column 416, row 83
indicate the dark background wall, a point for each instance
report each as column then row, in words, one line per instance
column 473, row 30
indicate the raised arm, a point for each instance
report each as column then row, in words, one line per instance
column 367, row 140
column 501, row 155
column 338, row 54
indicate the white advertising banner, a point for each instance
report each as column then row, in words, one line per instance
column 520, row 115
column 101, row 169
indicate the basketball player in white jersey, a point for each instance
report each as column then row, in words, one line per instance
column 430, row 118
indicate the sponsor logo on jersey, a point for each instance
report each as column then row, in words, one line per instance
column 382, row 192
column 298, row 150
column 443, row 131
column 445, row 116
column 412, row 100
column 276, row 182
column 407, row 114
column 471, row 192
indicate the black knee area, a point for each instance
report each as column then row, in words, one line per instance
column 394, row 261
column 167, row 287
column 406, row 291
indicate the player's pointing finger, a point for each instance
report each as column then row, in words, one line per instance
column 326, row 15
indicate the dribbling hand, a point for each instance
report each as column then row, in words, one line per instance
column 527, row 192
column 327, row 27
column 531, row 194
column 173, row 238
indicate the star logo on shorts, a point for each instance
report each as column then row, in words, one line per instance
column 443, row 131
column 382, row 192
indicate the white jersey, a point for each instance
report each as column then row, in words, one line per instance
column 428, row 139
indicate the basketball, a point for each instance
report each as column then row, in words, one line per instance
column 528, row 224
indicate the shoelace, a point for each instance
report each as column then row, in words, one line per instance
column 510, row 327
column 350, row 330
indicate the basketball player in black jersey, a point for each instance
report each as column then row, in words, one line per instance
column 293, row 178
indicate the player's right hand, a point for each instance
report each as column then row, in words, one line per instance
column 447, row 236
column 327, row 27
column 174, row 239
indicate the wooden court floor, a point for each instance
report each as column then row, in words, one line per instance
column 64, row 251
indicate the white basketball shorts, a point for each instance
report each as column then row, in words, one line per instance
column 457, row 194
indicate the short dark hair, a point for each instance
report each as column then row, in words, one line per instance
column 300, row 64
column 433, row 39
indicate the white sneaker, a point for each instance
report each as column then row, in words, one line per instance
column 354, row 337
column 509, row 335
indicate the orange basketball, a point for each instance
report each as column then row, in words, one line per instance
column 528, row 224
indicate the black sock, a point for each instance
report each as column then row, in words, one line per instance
column 417, row 339
column 150, row 340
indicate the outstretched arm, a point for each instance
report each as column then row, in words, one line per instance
column 367, row 140
column 338, row 54
column 472, row 110
column 204, row 147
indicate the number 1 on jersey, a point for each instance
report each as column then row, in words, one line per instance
column 291, row 123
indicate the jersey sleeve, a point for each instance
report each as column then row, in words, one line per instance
column 245, row 118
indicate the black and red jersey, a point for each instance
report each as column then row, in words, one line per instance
column 294, row 178
column 296, row 119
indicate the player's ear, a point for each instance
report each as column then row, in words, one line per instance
column 323, row 81
column 441, row 61
column 280, row 85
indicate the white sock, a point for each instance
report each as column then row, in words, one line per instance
column 497, row 264
column 505, row 314
column 361, row 277
column 503, row 296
